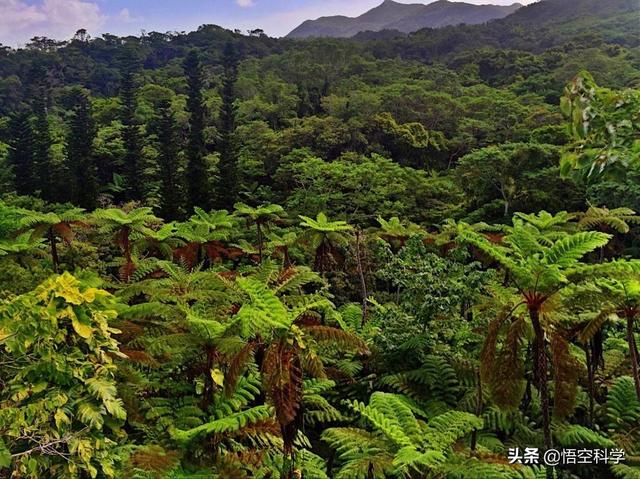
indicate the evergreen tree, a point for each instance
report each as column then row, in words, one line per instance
column 197, row 176
column 21, row 152
column 80, row 160
column 133, row 168
column 44, row 169
column 228, row 171
column 170, row 189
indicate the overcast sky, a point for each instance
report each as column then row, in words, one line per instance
column 21, row 20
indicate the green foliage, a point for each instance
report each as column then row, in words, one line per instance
column 605, row 127
column 227, row 424
column 61, row 413
column 392, row 318
column 400, row 442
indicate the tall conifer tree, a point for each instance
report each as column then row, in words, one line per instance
column 21, row 152
column 80, row 159
column 227, row 189
column 198, row 185
column 133, row 165
column 44, row 169
column 170, row 181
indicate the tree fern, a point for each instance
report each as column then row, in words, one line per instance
column 617, row 219
column 435, row 380
column 623, row 408
column 401, row 442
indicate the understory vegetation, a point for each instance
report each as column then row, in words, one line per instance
column 228, row 256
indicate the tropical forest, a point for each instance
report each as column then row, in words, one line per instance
column 227, row 255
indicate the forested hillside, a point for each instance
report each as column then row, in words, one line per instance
column 401, row 17
column 393, row 256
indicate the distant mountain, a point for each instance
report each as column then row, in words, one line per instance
column 402, row 17
column 540, row 26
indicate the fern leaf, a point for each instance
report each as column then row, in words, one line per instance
column 230, row 423
column 567, row 251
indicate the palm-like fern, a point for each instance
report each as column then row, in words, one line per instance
column 324, row 237
column 159, row 243
column 397, row 232
column 261, row 217
column 20, row 244
column 122, row 223
column 204, row 231
column 623, row 415
column 276, row 315
column 540, row 266
column 615, row 298
column 281, row 244
column 617, row 219
column 399, row 443
column 53, row 226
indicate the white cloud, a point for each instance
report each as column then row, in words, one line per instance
column 245, row 3
column 125, row 16
column 58, row 19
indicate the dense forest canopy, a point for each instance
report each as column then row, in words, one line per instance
column 391, row 256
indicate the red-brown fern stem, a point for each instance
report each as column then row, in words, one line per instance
column 363, row 281
column 590, row 380
column 630, row 314
column 479, row 405
column 54, row 251
column 541, row 367
column 125, row 245
column 209, row 387
column 260, row 239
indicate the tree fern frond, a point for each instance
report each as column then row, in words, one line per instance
column 574, row 435
column 344, row 339
column 444, row 430
column 623, row 471
column 623, row 406
column 567, row 251
column 230, row 423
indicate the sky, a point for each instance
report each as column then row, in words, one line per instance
column 21, row 20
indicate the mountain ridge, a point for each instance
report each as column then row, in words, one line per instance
column 405, row 18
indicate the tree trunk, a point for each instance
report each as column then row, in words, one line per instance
column 479, row 403
column 260, row 246
column 286, row 258
column 540, row 362
column 54, row 251
column 633, row 351
column 591, row 382
column 363, row 282
column 370, row 472
column 209, row 386
column 126, row 248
